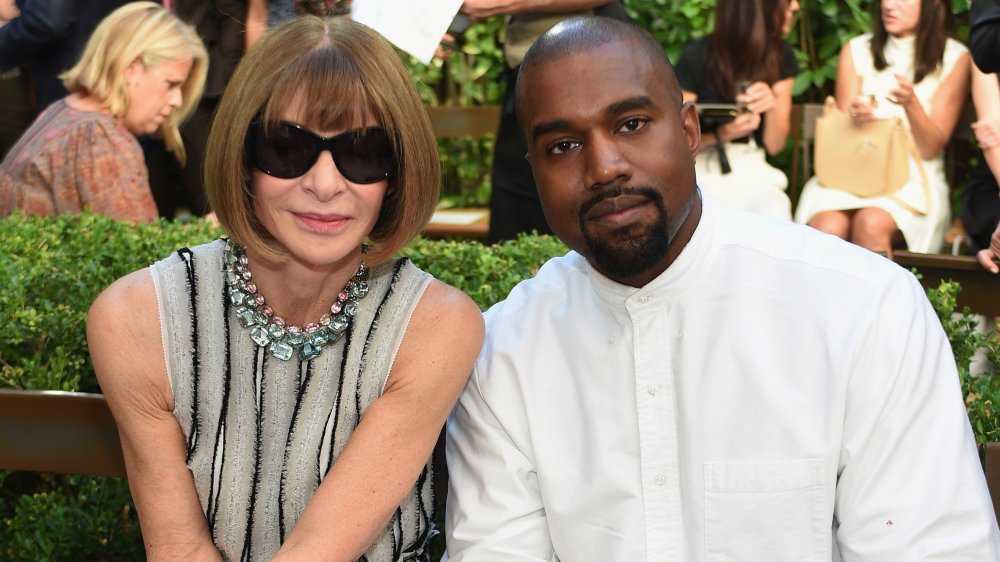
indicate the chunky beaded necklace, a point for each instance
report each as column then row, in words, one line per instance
column 271, row 331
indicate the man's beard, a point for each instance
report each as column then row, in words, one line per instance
column 630, row 250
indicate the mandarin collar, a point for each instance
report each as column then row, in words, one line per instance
column 690, row 264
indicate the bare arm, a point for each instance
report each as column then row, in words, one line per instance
column 256, row 22
column 487, row 8
column 986, row 97
column 396, row 435
column 123, row 333
column 932, row 130
column 778, row 118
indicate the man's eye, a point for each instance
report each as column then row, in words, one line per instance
column 562, row 147
column 632, row 125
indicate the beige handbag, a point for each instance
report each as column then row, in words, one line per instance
column 867, row 160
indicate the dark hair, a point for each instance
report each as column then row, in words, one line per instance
column 935, row 26
column 747, row 43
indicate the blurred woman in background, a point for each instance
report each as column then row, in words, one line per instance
column 141, row 73
column 745, row 63
column 909, row 68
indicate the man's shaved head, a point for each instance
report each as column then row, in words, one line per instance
column 580, row 34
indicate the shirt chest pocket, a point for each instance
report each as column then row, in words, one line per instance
column 766, row 511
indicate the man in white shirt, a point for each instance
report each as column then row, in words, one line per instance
column 694, row 383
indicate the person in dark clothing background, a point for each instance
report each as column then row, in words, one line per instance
column 48, row 38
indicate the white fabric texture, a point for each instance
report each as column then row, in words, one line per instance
column 923, row 233
column 752, row 185
column 776, row 394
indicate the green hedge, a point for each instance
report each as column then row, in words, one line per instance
column 54, row 268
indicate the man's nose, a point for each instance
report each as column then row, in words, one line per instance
column 606, row 162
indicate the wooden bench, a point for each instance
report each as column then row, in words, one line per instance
column 980, row 289
column 74, row 433
column 473, row 122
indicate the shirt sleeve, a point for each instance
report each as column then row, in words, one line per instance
column 494, row 508
column 984, row 34
column 41, row 23
column 910, row 485
column 789, row 64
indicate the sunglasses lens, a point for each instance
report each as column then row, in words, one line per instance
column 285, row 152
column 364, row 157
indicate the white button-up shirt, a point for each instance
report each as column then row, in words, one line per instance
column 776, row 394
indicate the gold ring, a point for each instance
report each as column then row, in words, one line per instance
column 853, row 112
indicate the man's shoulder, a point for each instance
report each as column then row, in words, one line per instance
column 791, row 248
column 551, row 286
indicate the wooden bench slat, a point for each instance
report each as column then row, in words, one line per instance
column 66, row 432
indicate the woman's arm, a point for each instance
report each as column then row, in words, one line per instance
column 123, row 332
column 777, row 118
column 986, row 98
column 397, row 433
column 932, row 130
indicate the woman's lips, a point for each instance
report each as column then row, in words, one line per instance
column 318, row 222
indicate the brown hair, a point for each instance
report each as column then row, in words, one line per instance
column 933, row 30
column 146, row 32
column 343, row 76
column 747, row 43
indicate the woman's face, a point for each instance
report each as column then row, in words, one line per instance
column 790, row 9
column 153, row 93
column 320, row 217
column 900, row 17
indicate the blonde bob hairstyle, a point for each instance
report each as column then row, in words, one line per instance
column 146, row 32
column 339, row 75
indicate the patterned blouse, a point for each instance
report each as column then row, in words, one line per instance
column 70, row 159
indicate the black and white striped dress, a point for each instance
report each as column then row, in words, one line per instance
column 262, row 433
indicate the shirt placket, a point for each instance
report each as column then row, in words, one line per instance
column 657, row 420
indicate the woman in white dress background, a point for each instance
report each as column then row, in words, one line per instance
column 907, row 67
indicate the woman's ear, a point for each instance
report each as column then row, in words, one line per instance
column 133, row 71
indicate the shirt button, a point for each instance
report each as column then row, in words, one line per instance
column 643, row 299
column 680, row 334
column 652, row 390
column 660, row 479
column 612, row 340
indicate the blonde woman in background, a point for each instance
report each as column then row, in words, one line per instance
column 141, row 73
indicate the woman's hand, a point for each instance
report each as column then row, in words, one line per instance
column 862, row 109
column 742, row 126
column 990, row 257
column 903, row 94
column 758, row 98
column 987, row 133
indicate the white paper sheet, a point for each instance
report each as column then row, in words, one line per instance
column 414, row 26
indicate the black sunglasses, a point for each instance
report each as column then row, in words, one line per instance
column 287, row 151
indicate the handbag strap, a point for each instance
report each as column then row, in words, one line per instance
column 912, row 148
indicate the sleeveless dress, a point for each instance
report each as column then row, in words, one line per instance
column 924, row 231
column 262, row 433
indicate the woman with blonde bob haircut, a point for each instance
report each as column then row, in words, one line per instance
column 141, row 73
column 300, row 425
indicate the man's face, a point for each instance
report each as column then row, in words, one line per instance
column 612, row 152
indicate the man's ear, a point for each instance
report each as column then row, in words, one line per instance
column 691, row 126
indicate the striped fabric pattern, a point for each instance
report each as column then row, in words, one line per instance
column 262, row 433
